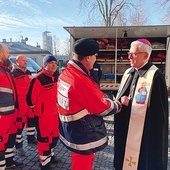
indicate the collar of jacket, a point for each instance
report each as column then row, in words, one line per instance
column 47, row 73
column 142, row 70
column 2, row 65
column 15, row 66
column 79, row 66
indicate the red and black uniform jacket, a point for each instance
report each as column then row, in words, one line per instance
column 42, row 94
column 81, row 107
column 22, row 81
column 8, row 99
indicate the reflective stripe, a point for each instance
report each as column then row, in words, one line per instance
column 30, row 128
column 84, row 147
column 2, row 162
column 9, row 152
column 45, row 160
column 30, row 133
column 6, row 90
column 9, row 155
column 112, row 106
column 84, row 112
column 8, row 108
column 19, row 140
column 19, row 136
column 74, row 117
column 2, row 165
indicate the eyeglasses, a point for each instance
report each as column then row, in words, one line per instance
column 134, row 54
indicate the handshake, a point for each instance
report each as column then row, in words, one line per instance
column 124, row 101
column 119, row 105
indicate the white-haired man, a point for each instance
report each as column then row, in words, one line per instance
column 141, row 128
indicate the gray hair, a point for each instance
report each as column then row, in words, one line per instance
column 143, row 47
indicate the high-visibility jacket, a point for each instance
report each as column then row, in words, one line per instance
column 22, row 81
column 7, row 91
column 42, row 94
column 81, row 107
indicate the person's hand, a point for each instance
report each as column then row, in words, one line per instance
column 119, row 104
column 125, row 100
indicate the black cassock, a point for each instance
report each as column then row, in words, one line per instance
column 154, row 145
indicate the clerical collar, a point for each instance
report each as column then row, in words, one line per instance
column 141, row 66
column 142, row 70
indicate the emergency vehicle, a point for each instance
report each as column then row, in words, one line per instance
column 114, row 43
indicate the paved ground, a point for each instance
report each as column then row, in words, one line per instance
column 103, row 159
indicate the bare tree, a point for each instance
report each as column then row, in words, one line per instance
column 138, row 16
column 166, row 18
column 121, row 19
column 66, row 47
column 107, row 10
column 164, row 6
column 164, row 2
column 56, row 45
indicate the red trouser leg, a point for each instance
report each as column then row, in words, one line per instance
column 47, row 133
column 20, row 123
column 83, row 162
column 30, row 126
column 9, row 153
column 4, row 134
column 4, row 131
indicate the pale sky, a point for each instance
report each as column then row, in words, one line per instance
column 29, row 18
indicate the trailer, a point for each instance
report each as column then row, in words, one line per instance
column 114, row 43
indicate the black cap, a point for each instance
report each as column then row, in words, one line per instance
column 85, row 47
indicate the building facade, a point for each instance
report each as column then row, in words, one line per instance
column 16, row 48
column 47, row 41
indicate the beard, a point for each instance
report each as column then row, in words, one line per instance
column 7, row 62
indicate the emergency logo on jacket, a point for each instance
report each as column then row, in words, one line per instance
column 21, row 78
column 48, row 87
column 63, row 94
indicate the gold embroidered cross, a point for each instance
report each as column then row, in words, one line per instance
column 130, row 162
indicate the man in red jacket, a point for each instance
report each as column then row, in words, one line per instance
column 42, row 97
column 8, row 107
column 82, row 106
column 22, row 78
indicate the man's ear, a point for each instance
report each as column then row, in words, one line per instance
column 1, row 53
column 87, row 58
column 146, row 56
